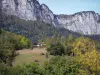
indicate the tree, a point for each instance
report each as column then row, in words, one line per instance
column 56, row 49
column 24, row 42
column 91, row 62
column 7, row 50
column 87, row 55
column 68, row 44
column 83, row 45
column 52, row 40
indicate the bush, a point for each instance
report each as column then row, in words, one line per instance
column 62, row 66
column 31, row 69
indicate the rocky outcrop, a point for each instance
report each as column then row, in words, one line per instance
column 28, row 10
column 46, row 14
column 24, row 9
column 87, row 22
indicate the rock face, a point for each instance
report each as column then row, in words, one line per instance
column 24, row 9
column 28, row 10
column 46, row 14
column 87, row 22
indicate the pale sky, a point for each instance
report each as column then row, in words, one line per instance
column 72, row 6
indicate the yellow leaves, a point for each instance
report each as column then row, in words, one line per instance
column 82, row 72
column 91, row 60
column 82, row 45
column 86, row 54
column 24, row 41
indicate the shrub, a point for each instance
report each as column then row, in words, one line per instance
column 31, row 69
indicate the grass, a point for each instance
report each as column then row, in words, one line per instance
column 27, row 56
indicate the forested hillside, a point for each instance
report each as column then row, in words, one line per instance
column 34, row 30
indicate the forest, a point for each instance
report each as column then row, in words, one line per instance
column 68, row 56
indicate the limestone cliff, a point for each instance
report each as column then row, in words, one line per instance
column 86, row 22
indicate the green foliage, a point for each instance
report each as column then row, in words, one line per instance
column 24, row 42
column 56, row 66
column 86, row 59
column 97, row 45
column 19, row 40
column 68, row 44
column 56, row 49
column 52, row 40
column 31, row 69
column 9, row 42
column 62, row 66
column 7, row 50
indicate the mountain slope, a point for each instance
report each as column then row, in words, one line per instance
column 34, row 30
column 86, row 22
column 28, row 10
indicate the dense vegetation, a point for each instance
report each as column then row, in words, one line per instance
column 74, row 56
column 9, row 43
column 56, row 49
column 19, row 41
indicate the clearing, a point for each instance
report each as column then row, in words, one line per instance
column 27, row 56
